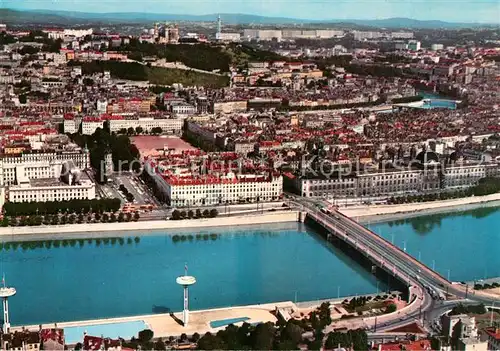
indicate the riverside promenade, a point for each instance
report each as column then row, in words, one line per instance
column 98, row 228
column 373, row 213
column 166, row 324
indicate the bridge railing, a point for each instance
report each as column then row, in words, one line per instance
column 396, row 248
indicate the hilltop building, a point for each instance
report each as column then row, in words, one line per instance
column 220, row 36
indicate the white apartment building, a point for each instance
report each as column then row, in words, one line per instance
column 398, row 182
column 324, row 188
column 70, row 125
column 262, row 34
column 402, row 35
column 11, row 172
column 469, row 329
column 168, row 125
column 39, row 165
column 183, row 109
column 463, row 176
column 242, row 147
column 52, row 84
column 231, row 188
column 437, row 47
column 64, row 33
column 359, row 35
column 42, row 190
column 89, row 125
column 312, row 34
column 402, row 182
column 228, row 36
column 102, row 106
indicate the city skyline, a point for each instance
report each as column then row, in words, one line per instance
column 481, row 11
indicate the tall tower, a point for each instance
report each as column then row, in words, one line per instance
column 5, row 293
column 185, row 280
column 219, row 25
column 156, row 30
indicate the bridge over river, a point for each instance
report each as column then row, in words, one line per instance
column 425, row 286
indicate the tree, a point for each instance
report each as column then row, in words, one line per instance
column 159, row 345
column 176, row 215
column 210, row 342
column 121, row 217
column 136, row 216
column 213, row 213
column 391, row 308
column 262, row 337
column 23, row 99
column 130, row 131
column 456, row 334
column 190, row 214
column 206, row 213
column 293, row 333
column 105, row 218
column 139, row 130
column 198, row 213
column 156, row 130
column 88, row 81
column 145, row 335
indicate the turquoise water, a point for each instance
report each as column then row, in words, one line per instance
column 74, row 280
column 447, row 104
column 125, row 330
column 438, row 101
column 464, row 245
column 224, row 322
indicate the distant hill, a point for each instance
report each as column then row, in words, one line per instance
column 67, row 17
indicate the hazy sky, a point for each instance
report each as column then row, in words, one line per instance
column 485, row 11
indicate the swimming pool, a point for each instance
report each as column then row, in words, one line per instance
column 125, row 330
column 225, row 322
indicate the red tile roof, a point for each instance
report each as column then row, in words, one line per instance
column 419, row 345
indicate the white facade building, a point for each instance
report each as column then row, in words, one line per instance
column 391, row 183
column 402, row 35
column 359, row 35
column 168, row 125
column 42, row 190
column 39, row 165
column 70, row 125
column 102, row 106
column 262, row 34
column 183, row 109
column 228, row 36
column 89, row 125
column 464, row 176
column 437, row 47
column 227, row 189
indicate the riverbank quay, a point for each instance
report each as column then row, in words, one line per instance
column 97, row 229
column 384, row 213
column 169, row 324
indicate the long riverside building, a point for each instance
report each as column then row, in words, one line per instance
column 228, row 188
column 116, row 123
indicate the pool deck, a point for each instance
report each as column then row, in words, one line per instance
column 164, row 325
